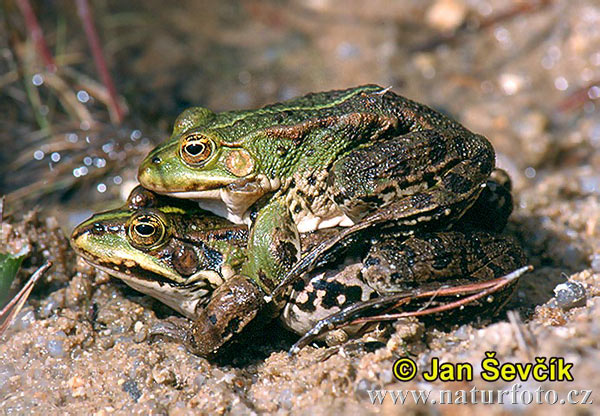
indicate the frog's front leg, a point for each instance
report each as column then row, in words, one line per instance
column 273, row 247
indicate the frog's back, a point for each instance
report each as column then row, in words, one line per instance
column 329, row 108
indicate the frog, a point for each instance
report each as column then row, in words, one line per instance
column 191, row 260
column 354, row 158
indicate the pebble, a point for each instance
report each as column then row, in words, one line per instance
column 570, row 294
column 55, row 348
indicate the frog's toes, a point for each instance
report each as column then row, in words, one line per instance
column 172, row 330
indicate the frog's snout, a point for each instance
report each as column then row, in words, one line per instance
column 80, row 236
column 148, row 172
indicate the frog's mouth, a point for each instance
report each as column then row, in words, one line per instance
column 196, row 195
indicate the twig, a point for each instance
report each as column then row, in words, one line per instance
column 115, row 109
column 577, row 98
column 10, row 311
column 35, row 31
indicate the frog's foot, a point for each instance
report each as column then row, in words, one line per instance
column 376, row 310
column 493, row 206
column 173, row 330
column 233, row 305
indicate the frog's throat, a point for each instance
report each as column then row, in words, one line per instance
column 183, row 299
column 232, row 201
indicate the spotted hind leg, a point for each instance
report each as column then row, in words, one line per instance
column 431, row 274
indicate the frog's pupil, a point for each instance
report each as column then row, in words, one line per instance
column 144, row 230
column 195, row 149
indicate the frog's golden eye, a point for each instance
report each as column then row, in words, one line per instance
column 196, row 149
column 147, row 230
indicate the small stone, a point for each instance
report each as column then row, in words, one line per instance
column 77, row 386
column 130, row 387
column 595, row 263
column 163, row 375
column 137, row 327
column 570, row 294
column 55, row 348
column 199, row 380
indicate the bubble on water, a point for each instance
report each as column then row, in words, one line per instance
column 37, row 80
column 100, row 162
column 83, row 96
column 594, row 92
column 107, row 147
column 554, row 52
column 38, row 155
column 72, row 138
column 87, row 161
column 101, row 188
column 502, row 35
column 135, row 135
column 595, row 262
column 117, row 180
column 55, row 157
column 530, row 172
column 547, row 62
column 587, row 74
column 595, row 135
column 561, row 83
column 80, row 171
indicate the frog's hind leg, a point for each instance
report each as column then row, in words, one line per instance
column 434, row 259
column 420, row 176
column 430, row 274
column 376, row 310
column 493, row 206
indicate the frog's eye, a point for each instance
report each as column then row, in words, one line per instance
column 147, row 230
column 196, row 149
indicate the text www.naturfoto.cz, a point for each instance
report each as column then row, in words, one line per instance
column 515, row 395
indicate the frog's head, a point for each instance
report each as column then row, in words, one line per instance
column 156, row 250
column 195, row 161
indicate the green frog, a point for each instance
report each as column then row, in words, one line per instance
column 349, row 158
column 191, row 260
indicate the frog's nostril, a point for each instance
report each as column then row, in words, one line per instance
column 156, row 160
column 97, row 228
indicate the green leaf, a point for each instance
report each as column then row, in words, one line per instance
column 9, row 266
